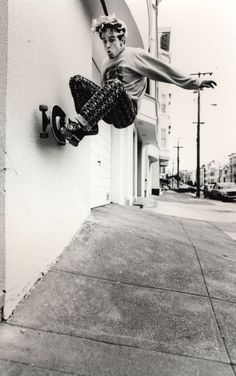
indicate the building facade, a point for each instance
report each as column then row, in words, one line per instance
column 163, row 113
column 164, row 120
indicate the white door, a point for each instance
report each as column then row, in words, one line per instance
column 100, row 161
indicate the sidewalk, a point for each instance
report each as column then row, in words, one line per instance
column 136, row 293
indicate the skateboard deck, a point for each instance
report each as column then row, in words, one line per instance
column 58, row 124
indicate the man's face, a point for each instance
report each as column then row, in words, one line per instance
column 113, row 46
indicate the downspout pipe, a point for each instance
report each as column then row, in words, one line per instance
column 104, row 7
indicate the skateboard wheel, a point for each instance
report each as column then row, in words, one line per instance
column 62, row 130
column 43, row 107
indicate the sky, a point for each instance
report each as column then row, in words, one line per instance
column 203, row 34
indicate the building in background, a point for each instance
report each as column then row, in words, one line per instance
column 159, row 171
column 221, row 172
column 212, row 172
column 224, row 173
column 232, row 167
column 160, row 47
column 164, row 97
column 153, row 121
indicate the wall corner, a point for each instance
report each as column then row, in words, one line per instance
column 3, row 91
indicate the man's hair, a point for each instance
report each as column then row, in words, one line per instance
column 101, row 24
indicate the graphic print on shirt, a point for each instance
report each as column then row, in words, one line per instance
column 114, row 73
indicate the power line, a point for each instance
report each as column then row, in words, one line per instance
column 104, row 7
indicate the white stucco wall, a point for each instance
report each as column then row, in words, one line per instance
column 47, row 195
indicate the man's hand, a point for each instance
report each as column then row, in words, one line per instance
column 208, row 84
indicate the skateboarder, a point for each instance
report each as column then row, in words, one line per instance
column 124, row 76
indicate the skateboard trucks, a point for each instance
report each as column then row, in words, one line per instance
column 58, row 124
column 57, row 121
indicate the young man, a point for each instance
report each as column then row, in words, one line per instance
column 124, row 76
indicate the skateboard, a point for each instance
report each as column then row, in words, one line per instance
column 59, row 122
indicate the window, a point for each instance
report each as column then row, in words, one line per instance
column 163, row 137
column 165, row 41
column 163, row 103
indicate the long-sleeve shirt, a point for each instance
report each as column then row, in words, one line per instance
column 134, row 65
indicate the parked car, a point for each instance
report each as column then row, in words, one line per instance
column 207, row 189
column 185, row 188
column 165, row 187
column 223, row 191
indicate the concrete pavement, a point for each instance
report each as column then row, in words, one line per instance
column 135, row 293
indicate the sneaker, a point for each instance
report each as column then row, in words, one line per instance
column 86, row 130
column 75, row 129
column 68, row 136
column 73, row 133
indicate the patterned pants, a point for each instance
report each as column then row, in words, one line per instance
column 110, row 102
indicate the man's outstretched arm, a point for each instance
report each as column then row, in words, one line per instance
column 157, row 70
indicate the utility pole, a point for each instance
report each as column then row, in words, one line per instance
column 198, row 148
column 178, row 147
column 172, row 185
column 199, row 74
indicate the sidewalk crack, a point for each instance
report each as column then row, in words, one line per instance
column 33, row 366
column 118, row 344
column 210, row 298
column 56, row 270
